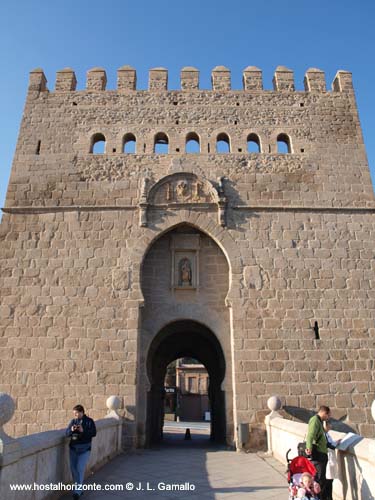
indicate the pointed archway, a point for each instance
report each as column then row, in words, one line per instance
column 185, row 314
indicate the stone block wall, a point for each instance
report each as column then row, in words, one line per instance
column 298, row 241
column 307, row 268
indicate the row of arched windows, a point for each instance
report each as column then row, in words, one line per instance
column 192, row 144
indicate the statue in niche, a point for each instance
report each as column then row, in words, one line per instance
column 185, row 272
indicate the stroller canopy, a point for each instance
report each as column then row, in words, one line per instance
column 299, row 465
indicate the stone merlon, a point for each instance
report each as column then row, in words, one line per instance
column 283, row 80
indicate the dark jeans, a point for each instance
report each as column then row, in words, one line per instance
column 320, row 461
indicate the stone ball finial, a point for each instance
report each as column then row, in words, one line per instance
column 373, row 410
column 113, row 403
column 7, row 407
column 274, row 403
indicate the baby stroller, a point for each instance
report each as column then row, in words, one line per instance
column 296, row 467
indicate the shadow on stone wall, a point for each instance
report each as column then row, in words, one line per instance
column 352, row 489
column 304, row 415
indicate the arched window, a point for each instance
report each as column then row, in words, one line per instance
column 129, row 143
column 283, row 144
column 222, row 143
column 192, row 143
column 97, row 144
column 161, row 143
column 253, row 143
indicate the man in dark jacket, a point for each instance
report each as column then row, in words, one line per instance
column 316, row 446
column 81, row 430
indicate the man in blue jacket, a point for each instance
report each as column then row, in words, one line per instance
column 81, row 430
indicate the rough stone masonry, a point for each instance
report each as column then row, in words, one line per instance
column 255, row 255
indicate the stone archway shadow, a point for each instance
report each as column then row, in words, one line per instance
column 185, row 338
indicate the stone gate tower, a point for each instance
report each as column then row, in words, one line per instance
column 254, row 255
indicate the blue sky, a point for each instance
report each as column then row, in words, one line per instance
column 81, row 34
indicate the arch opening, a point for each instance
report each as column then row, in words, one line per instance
column 253, row 144
column 185, row 339
column 283, row 144
column 222, row 143
column 97, row 144
column 129, row 144
column 192, row 143
column 184, row 279
column 161, row 143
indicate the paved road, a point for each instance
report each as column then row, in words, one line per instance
column 169, row 425
column 206, row 472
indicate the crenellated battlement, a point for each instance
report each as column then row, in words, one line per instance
column 283, row 80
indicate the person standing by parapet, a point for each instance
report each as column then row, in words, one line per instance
column 316, row 447
column 81, row 430
column 332, row 468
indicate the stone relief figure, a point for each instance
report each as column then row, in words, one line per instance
column 185, row 272
column 197, row 188
column 182, row 189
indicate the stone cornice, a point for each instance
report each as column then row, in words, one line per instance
column 203, row 206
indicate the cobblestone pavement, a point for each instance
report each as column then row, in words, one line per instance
column 210, row 473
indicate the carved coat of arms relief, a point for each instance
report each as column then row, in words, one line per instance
column 181, row 188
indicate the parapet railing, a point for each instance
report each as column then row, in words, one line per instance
column 283, row 80
column 356, row 465
column 42, row 460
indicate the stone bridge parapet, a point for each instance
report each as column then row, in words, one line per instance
column 43, row 459
column 356, row 465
